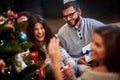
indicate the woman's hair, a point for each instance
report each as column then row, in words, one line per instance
column 30, row 28
column 30, row 33
column 111, row 37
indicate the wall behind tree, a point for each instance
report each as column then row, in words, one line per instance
column 98, row 9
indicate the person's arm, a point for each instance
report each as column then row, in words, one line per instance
column 56, row 70
column 54, row 53
column 69, row 72
column 95, row 24
column 66, row 57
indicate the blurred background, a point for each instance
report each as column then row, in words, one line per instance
column 107, row 11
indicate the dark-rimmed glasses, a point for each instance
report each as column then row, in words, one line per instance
column 69, row 15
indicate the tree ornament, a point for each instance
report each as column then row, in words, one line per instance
column 2, row 19
column 2, row 65
column 34, row 56
column 20, row 64
column 12, row 14
column 1, row 42
column 42, row 72
column 22, row 37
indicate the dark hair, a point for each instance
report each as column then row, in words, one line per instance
column 30, row 30
column 111, row 37
column 71, row 3
column 25, row 13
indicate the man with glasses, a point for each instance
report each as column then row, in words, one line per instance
column 77, row 31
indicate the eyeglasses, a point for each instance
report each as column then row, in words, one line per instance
column 69, row 15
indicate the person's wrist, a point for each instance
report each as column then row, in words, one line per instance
column 53, row 59
column 56, row 57
column 72, row 77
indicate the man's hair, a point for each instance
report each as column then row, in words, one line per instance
column 71, row 3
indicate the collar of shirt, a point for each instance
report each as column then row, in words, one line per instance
column 77, row 28
column 78, row 31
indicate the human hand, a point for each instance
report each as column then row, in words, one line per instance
column 62, row 72
column 83, row 61
column 21, row 19
column 69, row 72
column 53, row 50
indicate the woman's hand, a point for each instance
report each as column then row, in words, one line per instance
column 56, row 58
column 53, row 50
column 69, row 72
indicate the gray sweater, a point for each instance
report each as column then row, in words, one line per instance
column 65, row 56
column 70, row 40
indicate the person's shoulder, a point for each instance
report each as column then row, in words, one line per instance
column 64, row 28
column 100, row 69
column 90, row 19
column 92, row 23
column 96, row 74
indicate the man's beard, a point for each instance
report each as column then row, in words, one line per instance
column 76, row 21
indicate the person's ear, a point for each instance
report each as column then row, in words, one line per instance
column 79, row 11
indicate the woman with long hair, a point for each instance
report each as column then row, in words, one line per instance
column 105, row 47
column 39, row 33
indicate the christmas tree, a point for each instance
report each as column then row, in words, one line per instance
column 6, row 5
column 16, row 61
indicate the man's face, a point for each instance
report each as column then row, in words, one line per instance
column 71, row 15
